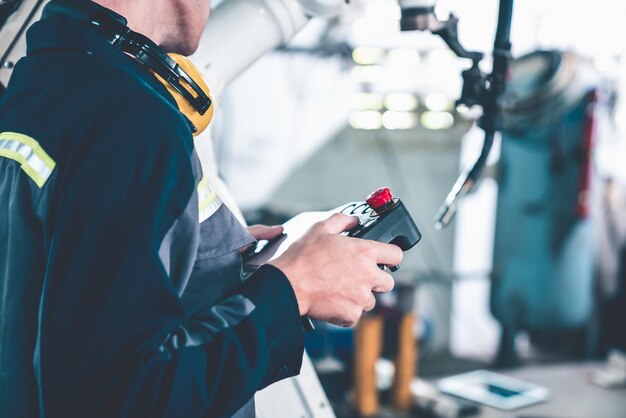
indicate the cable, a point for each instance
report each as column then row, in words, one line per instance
column 503, row 31
column 464, row 184
column 394, row 170
column 21, row 30
column 439, row 276
column 486, row 91
column 7, row 7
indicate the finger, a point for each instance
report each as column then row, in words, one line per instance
column 371, row 304
column 260, row 232
column 246, row 248
column 338, row 223
column 383, row 283
column 387, row 254
column 352, row 316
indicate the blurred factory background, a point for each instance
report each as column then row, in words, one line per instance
column 527, row 271
column 529, row 280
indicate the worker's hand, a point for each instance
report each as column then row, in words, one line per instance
column 260, row 232
column 332, row 275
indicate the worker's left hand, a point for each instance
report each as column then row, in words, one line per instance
column 260, row 232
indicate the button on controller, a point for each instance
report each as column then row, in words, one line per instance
column 388, row 222
column 382, row 218
column 380, row 199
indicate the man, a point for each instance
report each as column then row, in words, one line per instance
column 120, row 271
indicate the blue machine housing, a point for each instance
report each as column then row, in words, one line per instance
column 544, row 245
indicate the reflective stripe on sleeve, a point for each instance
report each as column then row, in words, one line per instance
column 35, row 162
column 208, row 200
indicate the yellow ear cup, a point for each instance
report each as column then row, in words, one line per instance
column 198, row 120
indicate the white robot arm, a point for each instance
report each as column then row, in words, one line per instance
column 225, row 50
column 241, row 31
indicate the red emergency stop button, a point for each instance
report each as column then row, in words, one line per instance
column 380, row 199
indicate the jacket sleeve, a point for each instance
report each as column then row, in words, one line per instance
column 114, row 339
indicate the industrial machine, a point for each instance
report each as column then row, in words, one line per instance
column 272, row 23
column 544, row 249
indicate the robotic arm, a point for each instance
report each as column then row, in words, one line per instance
column 479, row 88
column 268, row 24
column 272, row 23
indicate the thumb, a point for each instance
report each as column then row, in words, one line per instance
column 260, row 232
column 338, row 223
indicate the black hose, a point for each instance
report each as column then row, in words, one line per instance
column 491, row 108
column 478, row 167
column 7, row 8
column 490, row 122
column 16, row 36
column 503, row 31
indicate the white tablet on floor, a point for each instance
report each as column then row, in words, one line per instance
column 493, row 389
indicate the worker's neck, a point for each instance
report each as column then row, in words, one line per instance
column 144, row 16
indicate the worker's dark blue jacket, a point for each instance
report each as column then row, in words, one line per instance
column 120, row 271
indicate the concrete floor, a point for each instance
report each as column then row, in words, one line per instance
column 572, row 395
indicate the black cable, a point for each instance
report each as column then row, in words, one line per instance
column 435, row 275
column 7, row 7
column 464, row 184
column 479, row 166
column 393, row 168
column 21, row 30
column 505, row 18
column 490, row 91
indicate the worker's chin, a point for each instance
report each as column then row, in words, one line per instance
column 189, row 49
column 186, row 47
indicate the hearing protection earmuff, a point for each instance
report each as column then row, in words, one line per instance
column 181, row 78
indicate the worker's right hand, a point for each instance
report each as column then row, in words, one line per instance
column 332, row 275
